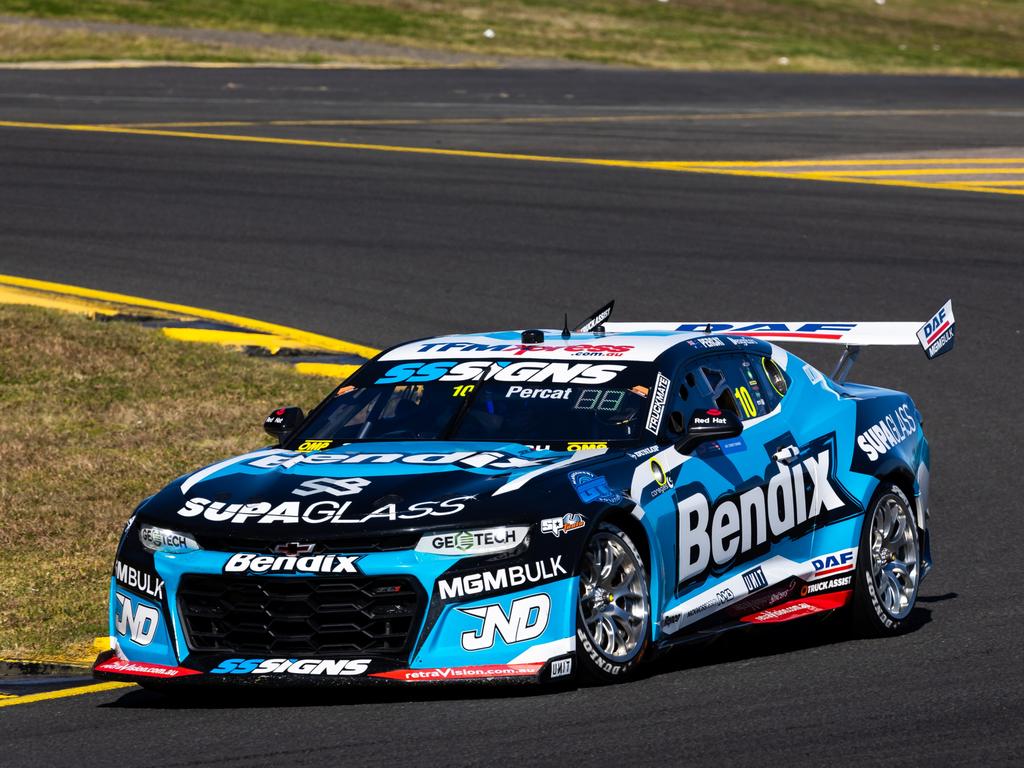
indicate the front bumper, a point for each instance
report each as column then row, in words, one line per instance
column 161, row 636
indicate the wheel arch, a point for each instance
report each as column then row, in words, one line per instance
column 646, row 543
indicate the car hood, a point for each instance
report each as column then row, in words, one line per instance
column 369, row 489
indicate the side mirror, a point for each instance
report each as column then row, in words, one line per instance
column 711, row 424
column 283, row 421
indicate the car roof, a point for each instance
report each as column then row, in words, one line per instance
column 640, row 345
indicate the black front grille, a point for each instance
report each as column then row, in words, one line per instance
column 321, row 616
column 347, row 544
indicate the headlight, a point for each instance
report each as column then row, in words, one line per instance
column 165, row 540
column 480, row 541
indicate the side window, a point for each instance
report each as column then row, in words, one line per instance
column 692, row 391
column 747, row 385
column 731, row 383
column 775, row 381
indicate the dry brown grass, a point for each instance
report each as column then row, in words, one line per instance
column 96, row 416
column 986, row 36
column 34, row 42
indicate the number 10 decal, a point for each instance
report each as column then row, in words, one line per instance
column 746, row 401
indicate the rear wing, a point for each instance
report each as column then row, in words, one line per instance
column 936, row 336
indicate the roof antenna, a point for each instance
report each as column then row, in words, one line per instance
column 565, row 328
column 707, row 328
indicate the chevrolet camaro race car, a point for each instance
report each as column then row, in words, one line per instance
column 536, row 505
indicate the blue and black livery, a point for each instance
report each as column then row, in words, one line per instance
column 441, row 515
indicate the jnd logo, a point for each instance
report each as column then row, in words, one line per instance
column 527, row 619
column 139, row 624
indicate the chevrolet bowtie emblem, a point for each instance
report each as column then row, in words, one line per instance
column 294, row 548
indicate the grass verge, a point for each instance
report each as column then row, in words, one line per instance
column 34, row 42
column 818, row 35
column 96, row 417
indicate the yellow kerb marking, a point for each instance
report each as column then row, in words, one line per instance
column 332, row 370
column 300, row 338
column 270, row 342
column 63, row 694
column 31, row 298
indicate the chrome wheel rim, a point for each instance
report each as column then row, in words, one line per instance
column 614, row 604
column 894, row 564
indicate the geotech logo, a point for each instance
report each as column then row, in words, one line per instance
column 798, row 496
column 474, row 542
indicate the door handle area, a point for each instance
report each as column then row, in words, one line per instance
column 786, row 454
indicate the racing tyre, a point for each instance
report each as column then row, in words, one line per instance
column 613, row 614
column 888, row 565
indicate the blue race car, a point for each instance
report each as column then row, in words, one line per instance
column 536, row 505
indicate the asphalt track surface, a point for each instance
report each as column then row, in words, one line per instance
column 377, row 246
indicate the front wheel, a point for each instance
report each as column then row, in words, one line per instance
column 613, row 615
column 888, row 567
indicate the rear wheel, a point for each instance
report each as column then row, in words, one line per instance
column 888, row 565
column 613, row 617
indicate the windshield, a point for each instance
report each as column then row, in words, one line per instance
column 534, row 403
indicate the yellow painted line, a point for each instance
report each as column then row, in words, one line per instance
column 1002, row 183
column 869, row 181
column 63, row 694
column 824, row 163
column 560, row 119
column 303, row 338
column 333, row 370
column 270, row 342
column 733, row 168
column 7, row 696
column 327, row 144
column 10, row 295
column 849, row 172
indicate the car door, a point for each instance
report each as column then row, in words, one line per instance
column 734, row 497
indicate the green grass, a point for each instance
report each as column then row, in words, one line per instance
column 96, row 417
column 824, row 35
